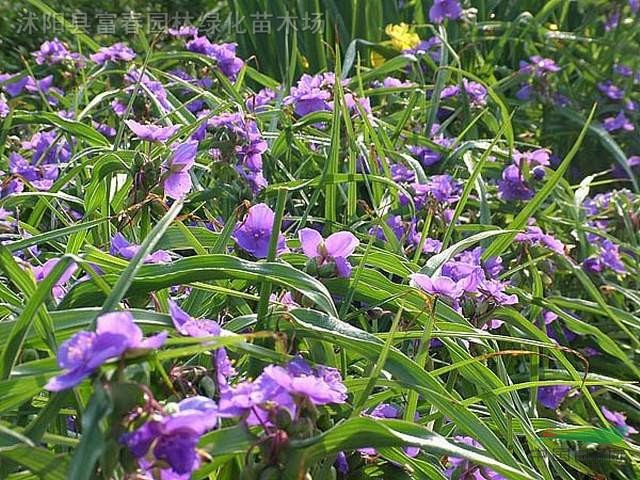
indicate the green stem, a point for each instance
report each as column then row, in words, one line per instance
column 265, row 290
column 421, row 358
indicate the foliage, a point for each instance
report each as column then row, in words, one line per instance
column 405, row 246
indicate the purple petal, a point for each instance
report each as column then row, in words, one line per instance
column 177, row 184
column 67, row 380
column 120, row 323
column 310, row 240
column 341, row 244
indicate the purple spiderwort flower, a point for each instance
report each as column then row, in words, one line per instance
column 224, row 54
column 476, row 92
column 11, row 86
column 462, row 469
column 553, row 396
column 439, row 285
column 42, row 271
column 104, row 129
column 283, row 387
column 608, row 257
column 612, row 21
column 619, row 420
column 153, row 88
column 254, row 232
column 442, row 9
column 311, row 94
column 539, row 66
column 201, row 327
column 622, row 69
column 286, row 300
column 634, row 5
column 115, row 335
column 177, row 180
column 151, row 133
column 513, row 185
column 619, row 122
column 121, row 247
column 118, row 52
column 257, row 102
column 335, row 249
column 341, row 463
column 535, row 236
column 171, row 441
column 610, row 90
column 249, row 145
column 118, row 107
column 183, row 31
column 54, row 51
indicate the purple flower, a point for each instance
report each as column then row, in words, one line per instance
column 493, row 291
column 42, row 271
column 612, row 21
column 619, row 420
column 104, row 129
column 335, row 249
column 622, row 69
column 610, row 90
column 283, row 388
column 183, row 31
column 224, row 54
column 442, row 9
column 476, row 92
column 341, row 464
column 254, row 232
column 610, row 256
column 439, row 285
column 11, row 86
column 461, row 469
column 118, row 52
column 177, row 180
column 634, row 5
column 286, row 300
column 539, row 66
column 121, row 247
column 151, row 133
column 552, row 396
column 54, row 51
column 402, row 174
column 201, row 327
column 154, row 89
column 513, row 186
column 82, row 354
column 249, row 146
column 172, row 440
column 619, row 122
column 311, row 94
column 118, row 107
column 392, row 82
column 431, row 47
column 535, row 236
column 444, row 188
column 256, row 103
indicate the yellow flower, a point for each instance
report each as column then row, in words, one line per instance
column 402, row 38
column 376, row 59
